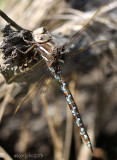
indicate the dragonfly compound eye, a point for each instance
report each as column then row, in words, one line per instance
column 41, row 35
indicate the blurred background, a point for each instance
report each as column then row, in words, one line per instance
column 44, row 129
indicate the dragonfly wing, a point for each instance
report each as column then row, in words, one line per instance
column 86, row 58
column 35, row 90
column 23, row 76
column 95, row 48
column 80, row 35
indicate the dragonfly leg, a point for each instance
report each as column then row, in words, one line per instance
column 28, row 41
column 33, row 56
column 27, row 50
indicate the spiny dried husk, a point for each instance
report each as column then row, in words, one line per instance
column 13, row 46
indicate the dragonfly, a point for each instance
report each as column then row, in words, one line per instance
column 53, row 57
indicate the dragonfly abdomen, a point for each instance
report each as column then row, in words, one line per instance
column 72, row 105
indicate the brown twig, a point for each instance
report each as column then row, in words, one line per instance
column 10, row 21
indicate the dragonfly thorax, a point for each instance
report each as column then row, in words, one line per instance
column 41, row 35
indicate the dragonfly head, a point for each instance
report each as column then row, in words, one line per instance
column 41, row 35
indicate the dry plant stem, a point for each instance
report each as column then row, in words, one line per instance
column 100, row 154
column 10, row 21
column 106, row 8
column 56, row 141
column 5, row 101
column 4, row 154
column 1, row 77
column 77, row 141
column 109, row 7
column 68, row 133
